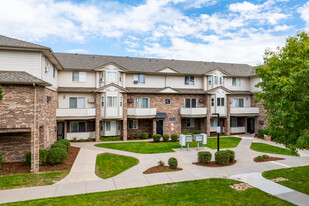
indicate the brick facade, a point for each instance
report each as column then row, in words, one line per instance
column 144, row 125
column 261, row 122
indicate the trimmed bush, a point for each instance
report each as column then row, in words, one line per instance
column 265, row 156
column 145, row 135
column 1, row 161
column 43, row 156
column 156, row 137
column 204, row 157
column 28, row 158
column 74, row 139
column 137, row 135
column 59, row 145
column 131, row 136
column 161, row 163
column 57, row 155
column 106, row 139
column 222, row 157
column 166, row 138
column 172, row 162
column 196, row 131
column 232, row 155
column 174, row 137
column 260, row 158
column 262, row 132
column 65, row 142
column 89, row 139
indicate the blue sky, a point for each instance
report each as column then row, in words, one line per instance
column 207, row 30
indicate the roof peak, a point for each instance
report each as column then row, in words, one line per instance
column 6, row 41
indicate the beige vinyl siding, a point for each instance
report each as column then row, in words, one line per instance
column 244, row 84
column 63, row 102
column 65, row 80
column 47, row 75
column 179, row 82
column 153, row 81
column 253, row 82
column 247, row 100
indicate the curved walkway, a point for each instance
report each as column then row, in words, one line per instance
column 82, row 178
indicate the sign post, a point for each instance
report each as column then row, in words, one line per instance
column 218, row 130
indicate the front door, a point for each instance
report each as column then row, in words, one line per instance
column 250, row 125
column 160, row 123
column 60, row 130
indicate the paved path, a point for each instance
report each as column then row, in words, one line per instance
column 82, row 178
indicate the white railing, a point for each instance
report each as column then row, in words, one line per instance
column 193, row 111
column 238, row 129
column 69, row 112
column 244, row 110
column 142, row 111
column 80, row 135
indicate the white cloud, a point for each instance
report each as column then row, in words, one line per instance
column 304, row 13
column 79, row 51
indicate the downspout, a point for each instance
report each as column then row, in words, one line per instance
column 34, row 126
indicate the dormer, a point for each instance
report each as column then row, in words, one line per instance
column 110, row 73
column 215, row 78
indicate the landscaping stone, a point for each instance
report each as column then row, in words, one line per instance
column 241, row 186
column 279, row 179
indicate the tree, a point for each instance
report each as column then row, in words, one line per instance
column 285, row 91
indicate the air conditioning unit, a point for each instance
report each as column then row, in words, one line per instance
column 90, row 100
column 135, row 82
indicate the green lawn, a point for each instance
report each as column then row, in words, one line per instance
column 298, row 177
column 30, row 179
column 262, row 147
column 198, row 192
column 109, row 165
column 163, row 147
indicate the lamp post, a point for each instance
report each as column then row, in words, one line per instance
column 218, row 130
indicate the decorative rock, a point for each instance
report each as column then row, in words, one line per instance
column 279, row 179
column 241, row 186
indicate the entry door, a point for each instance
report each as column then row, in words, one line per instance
column 60, row 130
column 250, row 125
column 160, row 124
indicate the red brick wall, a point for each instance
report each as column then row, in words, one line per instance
column 262, row 114
column 144, row 125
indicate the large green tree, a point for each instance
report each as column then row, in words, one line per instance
column 285, row 91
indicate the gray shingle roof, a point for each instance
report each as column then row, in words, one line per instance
column 10, row 42
column 158, row 90
column 76, row 89
column 134, row 64
column 20, row 77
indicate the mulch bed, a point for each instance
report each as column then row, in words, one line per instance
column 214, row 164
column 158, row 169
column 21, row 167
column 269, row 159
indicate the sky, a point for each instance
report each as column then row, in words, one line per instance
column 204, row 30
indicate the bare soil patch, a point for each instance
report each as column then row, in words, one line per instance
column 158, row 169
column 214, row 164
column 268, row 159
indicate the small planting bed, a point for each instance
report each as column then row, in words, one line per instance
column 266, row 158
column 159, row 168
column 214, row 164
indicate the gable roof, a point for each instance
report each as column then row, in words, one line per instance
column 111, row 85
column 11, row 42
column 20, row 77
column 150, row 65
column 144, row 90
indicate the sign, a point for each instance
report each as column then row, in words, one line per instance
column 172, row 126
column 167, row 101
column 218, row 129
column 172, row 119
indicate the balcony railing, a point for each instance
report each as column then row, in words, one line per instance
column 193, row 111
column 142, row 112
column 238, row 130
column 69, row 112
column 244, row 110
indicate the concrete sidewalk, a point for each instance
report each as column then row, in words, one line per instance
column 82, row 178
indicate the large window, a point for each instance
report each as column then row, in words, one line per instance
column 139, row 78
column 218, row 80
column 209, row 81
column 236, row 82
column 142, row 102
column 190, row 103
column 77, row 102
column 190, row 122
column 239, row 102
column 213, row 123
column 133, row 124
column 111, row 126
column 220, row 101
column 233, row 122
column 79, row 76
column 189, row 80
column 111, row 76
column 111, row 101
column 78, row 127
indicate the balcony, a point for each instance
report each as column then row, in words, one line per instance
column 236, row 130
column 244, row 110
column 75, row 113
column 193, row 112
column 142, row 112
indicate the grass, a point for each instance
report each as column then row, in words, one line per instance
column 198, row 192
column 298, row 177
column 109, row 165
column 30, row 179
column 262, row 147
column 163, row 147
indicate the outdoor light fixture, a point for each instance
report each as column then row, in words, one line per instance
column 218, row 129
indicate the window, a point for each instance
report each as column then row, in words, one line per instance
column 111, row 76
column 220, row 102
column 213, row 123
column 77, row 102
column 218, row 80
column 78, row 126
column 212, row 101
column 102, row 77
column 120, row 101
column 189, row 80
column 140, row 78
column 239, row 102
column 233, row 122
column 133, row 124
column 111, row 101
column 142, row 102
column 236, row 82
column 102, row 101
column 190, row 122
column 209, row 81
column 190, row 103
column 111, row 126
column 79, row 76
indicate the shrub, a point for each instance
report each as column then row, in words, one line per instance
column 145, row 135
column 105, row 139
column 222, row 157
column 81, row 140
column 174, row 137
column 0, row 161
column 65, row 142
column 232, row 155
column 204, row 157
column 265, row 156
column 262, row 132
column 43, row 156
column 74, row 139
column 28, row 158
column 196, row 131
column 57, row 155
column 89, row 139
column 166, row 138
column 131, row 136
column 137, row 135
column 59, row 145
column 156, row 137
column 260, row 158
column 161, row 163
column 172, row 162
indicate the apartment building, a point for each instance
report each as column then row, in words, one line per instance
column 99, row 96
